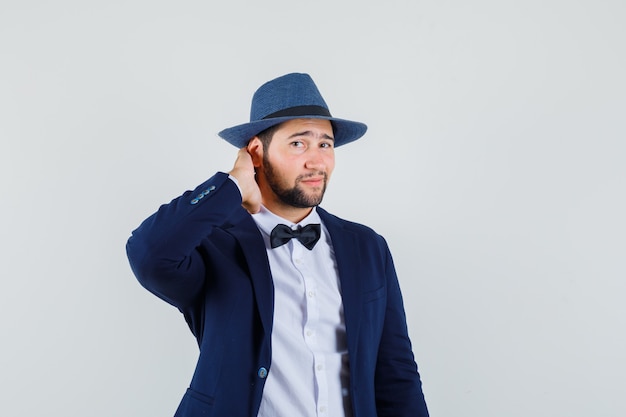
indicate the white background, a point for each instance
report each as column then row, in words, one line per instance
column 494, row 165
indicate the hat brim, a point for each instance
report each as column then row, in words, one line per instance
column 345, row 131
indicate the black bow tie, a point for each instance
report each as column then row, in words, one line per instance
column 307, row 235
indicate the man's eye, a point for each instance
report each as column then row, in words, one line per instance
column 297, row 144
column 326, row 145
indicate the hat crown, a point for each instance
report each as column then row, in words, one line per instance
column 286, row 92
column 291, row 96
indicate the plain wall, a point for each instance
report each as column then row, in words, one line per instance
column 493, row 165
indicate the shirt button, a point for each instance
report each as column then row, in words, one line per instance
column 320, row 367
column 309, row 333
column 311, row 294
column 262, row 372
column 322, row 409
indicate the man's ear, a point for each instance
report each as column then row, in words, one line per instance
column 255, row 149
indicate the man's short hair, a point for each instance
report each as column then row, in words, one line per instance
column 266, row 136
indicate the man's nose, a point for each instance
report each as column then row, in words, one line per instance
column 315, row 160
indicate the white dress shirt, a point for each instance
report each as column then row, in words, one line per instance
column 309, row 373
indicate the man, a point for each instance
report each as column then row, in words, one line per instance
column 296, row 312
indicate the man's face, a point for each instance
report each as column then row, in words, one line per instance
column 298, row 162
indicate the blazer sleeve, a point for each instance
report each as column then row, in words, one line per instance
column 164, row 251
column 398, row 384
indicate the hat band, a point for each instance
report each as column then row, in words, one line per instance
column 300, row 111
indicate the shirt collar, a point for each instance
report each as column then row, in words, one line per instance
column 266, row 220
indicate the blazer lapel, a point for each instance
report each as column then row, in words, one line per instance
column 253, row 247
column 345, row 245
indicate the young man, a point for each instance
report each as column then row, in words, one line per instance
column 296, row 312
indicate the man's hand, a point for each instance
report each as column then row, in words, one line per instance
column 243, row 171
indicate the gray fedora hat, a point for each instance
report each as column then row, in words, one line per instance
column 292, row 96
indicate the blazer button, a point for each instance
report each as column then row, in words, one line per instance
column 262, row 372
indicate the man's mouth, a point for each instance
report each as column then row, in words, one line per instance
column 314, row 181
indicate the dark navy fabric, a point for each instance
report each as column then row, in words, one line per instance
column 207, row 257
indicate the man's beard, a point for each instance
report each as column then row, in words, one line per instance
column 295, row 196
